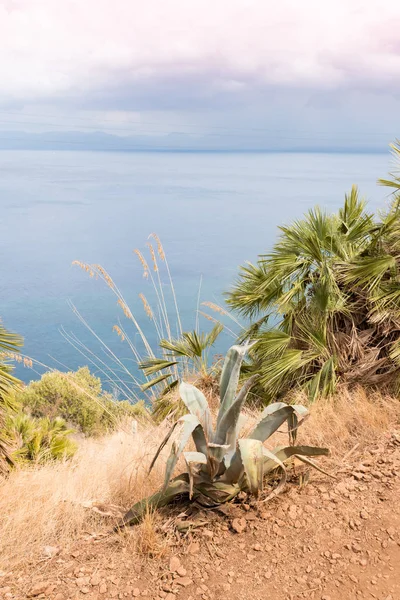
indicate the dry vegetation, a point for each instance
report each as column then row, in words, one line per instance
column 48, row 505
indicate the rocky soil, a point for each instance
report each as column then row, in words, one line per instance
column 324, row 540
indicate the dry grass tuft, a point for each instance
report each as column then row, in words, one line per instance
column 350, row 418
column 45, row 506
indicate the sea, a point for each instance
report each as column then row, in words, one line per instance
column 211, row 211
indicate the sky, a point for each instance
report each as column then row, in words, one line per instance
column 227, row 73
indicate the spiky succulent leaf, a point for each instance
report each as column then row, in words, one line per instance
column 271, row 408
column 176, row 488
column 231, row 439
column 195, row 458
column 230, row 377
column 270, row 423
column 197, row 405
column 216, row 492
column 188, row 424
column 284, row 454
column 230, row 417
column 251, row 452
column 192, row 459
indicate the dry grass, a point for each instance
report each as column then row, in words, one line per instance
column 350, row 418
column 45, row 506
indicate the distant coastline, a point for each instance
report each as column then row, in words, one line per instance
column 174, row 142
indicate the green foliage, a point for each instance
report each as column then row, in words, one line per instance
column 187, row 354
column 325, row 302
column 39, row 440
column 78, row 398
column 223, row 465
column 10, row 344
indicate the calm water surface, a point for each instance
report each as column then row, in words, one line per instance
column 212, row 211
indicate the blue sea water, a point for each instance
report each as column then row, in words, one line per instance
column 213, row 212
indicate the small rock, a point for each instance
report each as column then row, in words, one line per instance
column 174, row 564
column 59, row 596
column 181, row 571
column 136, row 592
column 95, row 579
column 364, row 514
column 194, row 548
column 268, row 574
column 239, row 525
column 38, row 588
column 103, row 588
column 183, row 581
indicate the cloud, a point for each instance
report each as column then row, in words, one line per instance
column 166, row 53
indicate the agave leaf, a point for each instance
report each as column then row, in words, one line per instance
column 193, row 458
column 271, row 408
column 197, row 405
column 188, row 424
column 216, row 453
column 301, row 410
column 269, row 454
column 232, row 437
column 293, row 423
column 230, row 377
column 251, row 452
column 280, row 487
column 176, row 488
column 199, row 439
column 270, row 423
column 284, row 454
column 216, row 492
column 230, row 417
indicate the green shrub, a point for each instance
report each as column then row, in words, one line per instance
column 324, row 304
column 78, row 398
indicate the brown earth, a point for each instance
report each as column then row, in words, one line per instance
column 324, row 540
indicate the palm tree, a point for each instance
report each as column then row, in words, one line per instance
column 187, row 356
column 10, row 344
column 324, row 304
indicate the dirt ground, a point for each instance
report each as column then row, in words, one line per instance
column 325, row 540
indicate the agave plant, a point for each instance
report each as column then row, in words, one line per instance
column 222, row 464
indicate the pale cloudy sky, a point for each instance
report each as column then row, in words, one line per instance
column 250, row 69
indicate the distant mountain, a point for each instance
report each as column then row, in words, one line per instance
column 173, row 142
